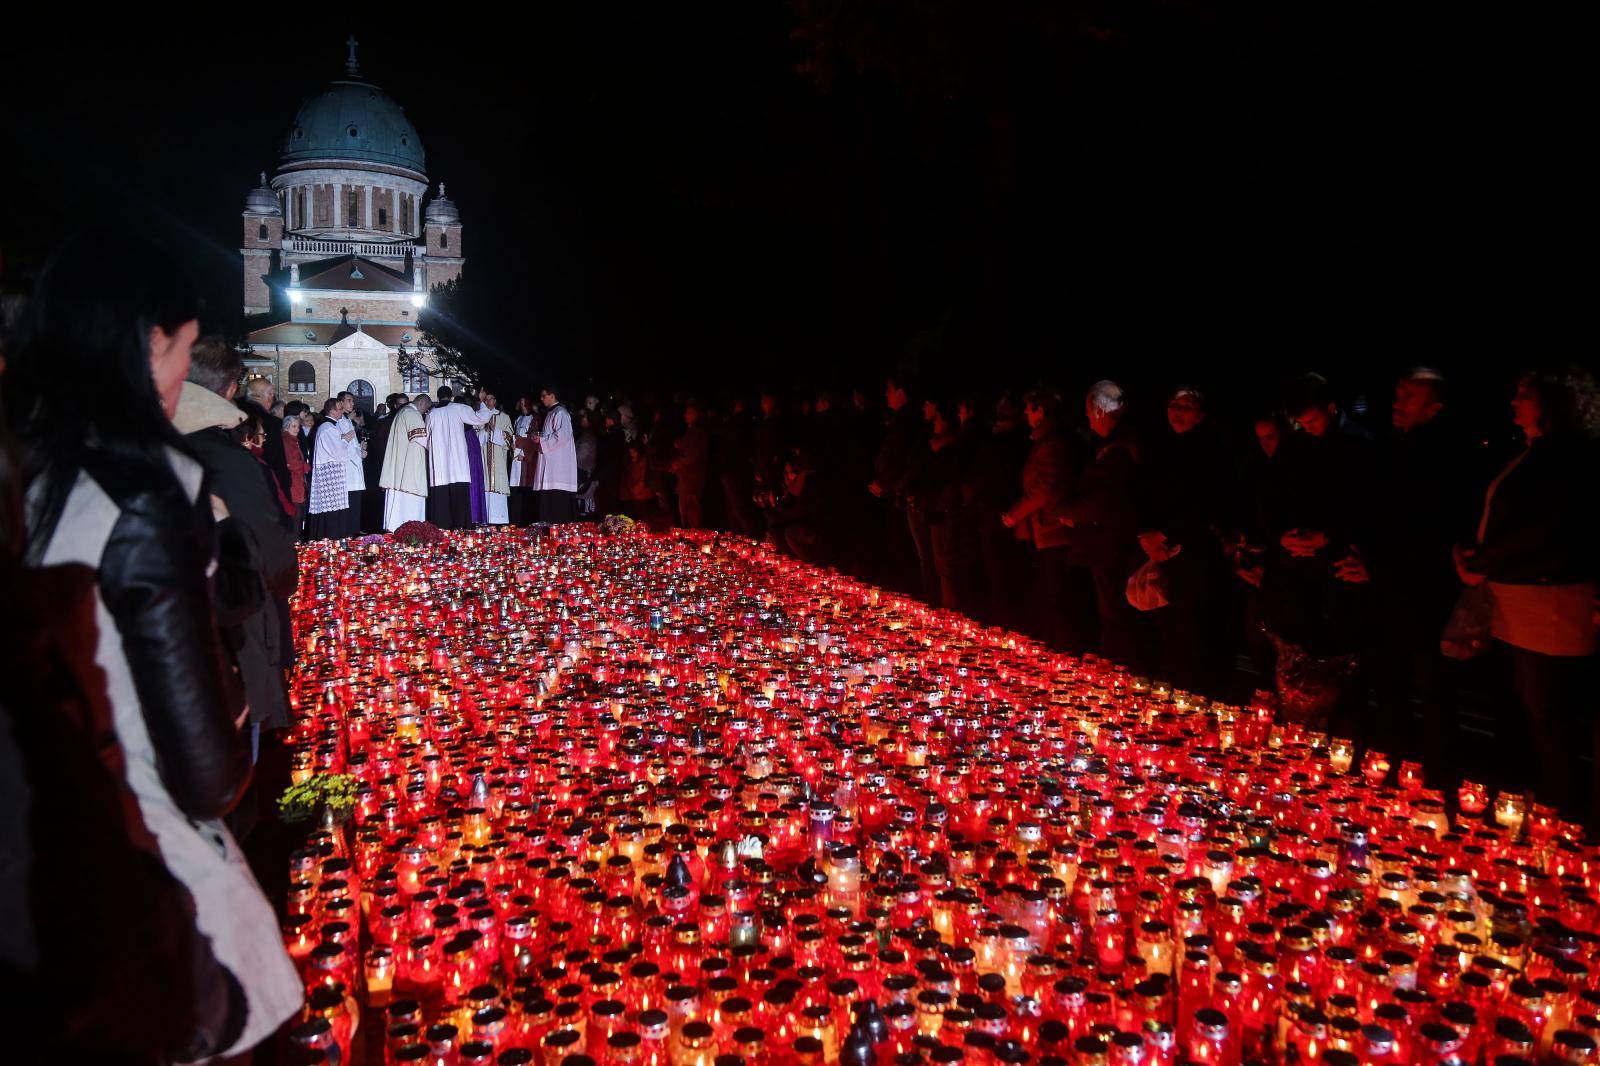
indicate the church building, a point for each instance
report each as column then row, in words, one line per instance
column 342, row 247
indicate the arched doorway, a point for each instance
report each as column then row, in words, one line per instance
column 361, row 389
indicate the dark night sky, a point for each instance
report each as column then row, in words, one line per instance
column 1185, row 191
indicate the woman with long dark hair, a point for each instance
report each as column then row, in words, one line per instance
column 94, row 373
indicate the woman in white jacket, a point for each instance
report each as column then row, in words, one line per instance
column 112, row 489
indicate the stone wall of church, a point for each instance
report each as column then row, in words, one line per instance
column 257, row 293
column 334, row 374
column 361, row 308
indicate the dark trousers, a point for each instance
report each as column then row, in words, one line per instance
column 955, row 556
column 921, row 529
column 741, row 516
column 450, row 506
column 372, row 511
column 1193, row 652
column 358, row 504
column 556, row 506
column 520, row 506
column 898, row 568
column 1059, row 591
column 1002, row 555
column 1555, row 729
column 1120, row 629
column 1410, row 678
column 689, row 510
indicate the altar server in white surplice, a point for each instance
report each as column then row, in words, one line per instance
column 495, row 436
column 555, row 478
column 449, row 497
column 331, row 517
column 405, row 466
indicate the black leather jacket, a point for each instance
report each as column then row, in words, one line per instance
column 153, row 581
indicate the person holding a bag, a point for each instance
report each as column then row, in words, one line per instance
column 1054, row 462
column 1535, row 554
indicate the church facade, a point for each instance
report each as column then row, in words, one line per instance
column 341, row 247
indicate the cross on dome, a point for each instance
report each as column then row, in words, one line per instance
column 350, row 65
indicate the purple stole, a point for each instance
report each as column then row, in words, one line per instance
column 480, row 503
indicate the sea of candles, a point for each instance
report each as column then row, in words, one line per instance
column 676, row 799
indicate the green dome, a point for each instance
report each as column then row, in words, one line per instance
column 354, row 120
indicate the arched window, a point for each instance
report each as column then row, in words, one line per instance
column 302, row 377
column 361, row 389
column 352, row 218
column 416, row 378
column 262, row 232
column 444, row 240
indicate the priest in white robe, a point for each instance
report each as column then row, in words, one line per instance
column 495, row 438
column 449, row 497
column 555, row 476
column 330, row 515
column 405, row 465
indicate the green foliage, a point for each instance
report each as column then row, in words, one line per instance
column 303, row 802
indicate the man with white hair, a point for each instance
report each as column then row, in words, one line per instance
column 1101, row 510
column 1422, row 499
column 257, row 400
column 1186, row 484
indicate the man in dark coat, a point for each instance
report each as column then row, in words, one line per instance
column 257, row 401
column 1423, row 492
column 372, row 464
column 769, row 441
column 735, row 469
column 249, row 491
column 900, row 450
column 996, row 470
column 1183, row 514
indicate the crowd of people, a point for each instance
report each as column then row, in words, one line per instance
column 151, row 499
column 1328, row 556
column 453, row 462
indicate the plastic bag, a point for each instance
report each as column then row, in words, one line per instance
column 1466, row 632
column 1147, row 587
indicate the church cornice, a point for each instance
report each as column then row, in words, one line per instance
column 310, row 170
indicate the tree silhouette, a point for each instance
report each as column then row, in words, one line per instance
column 443, row 351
